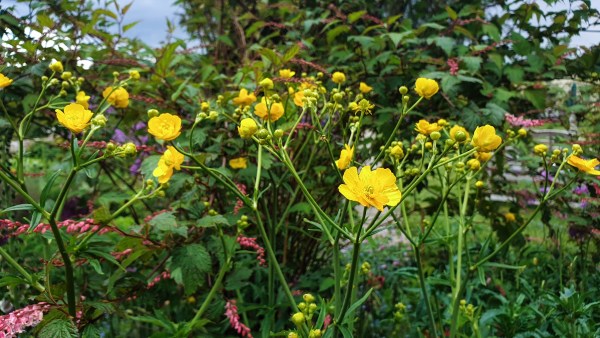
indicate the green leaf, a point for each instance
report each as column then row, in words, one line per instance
column 505, row 266
column 514, row 74
column 96, row 265
column 492, row 31
column 44, row 20
column 91, row 331
column 398, row 37
column 335, row 32
column 47, row 188
column 18, row 207
column 177, row 93
column 451, row 13
column 270, row 55
column 536, row 97
column 445, row 43
column 349, row 313
column 189, row 266
column 290, row 53
column 59, row 328
column 130, row 25
column 473, row 63
column 211, row 221
column 11, row 281
column 352, row 17
column 36, row 218
column 238, row 279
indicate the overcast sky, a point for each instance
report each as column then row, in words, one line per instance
column 153, row 15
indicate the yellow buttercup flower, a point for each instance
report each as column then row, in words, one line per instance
column 165, row 126
column 587, row 166
column 345, row 157
column 510, row 217
column 286, row 73
column 485, row 139
column 238, row 163
column 483, row 157
column 426, row 128
column 299, row 95
column 244, row 99
column 338, row 77
column 75, row 117
column 426, row 87
column 540, row 149
column 273, row 115
column 118, row 98
column 364, row 88
column 56, row 67
column 4, row 81
column 171, row 159
column 458, row 129
column 247, row 128
column 82, row 99
column 371, row 188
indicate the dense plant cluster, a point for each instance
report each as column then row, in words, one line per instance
column 300, row 169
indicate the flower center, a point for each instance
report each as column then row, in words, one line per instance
column 369, row 190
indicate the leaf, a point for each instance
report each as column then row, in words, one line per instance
column 193, row 263
column 130, row 25
column 514, row 74
column 149, row 164
column 270, row 55
column 398, row 37
column 536, row 97
column 492, row 31
column 290, row 53
column 59, row 328
column 91, row 331
column 505, row 266
column 356, row 305
column 96, row 265
column 333, row 33
column 11, row 281
column 473, row 63
column 44, row 20
column 444, row 42
column 451, row 13
column 352, row 17
column 36, row 218
column 47, row 187
column 211, row 221
column 238, row 279
column 18, row 207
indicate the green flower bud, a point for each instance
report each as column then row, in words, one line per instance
column 403, row 90
column 298, row 318
column 435, row 135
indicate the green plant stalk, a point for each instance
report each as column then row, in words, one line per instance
column 24, row 194
column 459, row 252
column 424, row 291
column 21, row 270
column 211, row 294
column 350, row 287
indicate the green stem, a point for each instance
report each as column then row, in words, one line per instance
column 21, row 270
column 211, row 294
column 353, row 270
column 424, row 291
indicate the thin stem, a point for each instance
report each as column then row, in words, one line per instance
column 424, row 291
column 21, row 270
column 211, row 294
column 353, row 269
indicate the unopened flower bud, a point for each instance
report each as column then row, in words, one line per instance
column 57, row 67
column 204, row 106
column 442, row 122
column 540, row 149
column 134, row 74
column 66, row 75
column 435, row 135
column 115, row 74
column 577, row 150
column 110, row 147
column 460, row 136
column 130, row 148
column 337, row 97
column 262, row 134
column 62, row 93
column 278, row 133
column 522, row 132
column 293, row 335
column 308, row 298
column 479, row 184
column 44, row 78
column 403, row 90
column 266, row 83
column 152, row 113
column 99, row 120
column 213, row 115
column 298, row 318
column 315, row 333
column 405, row 99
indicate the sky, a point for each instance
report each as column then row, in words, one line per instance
column 153, row 15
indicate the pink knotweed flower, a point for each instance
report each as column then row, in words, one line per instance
column 231, row 312
column 250, row 243
column 163, row 275
column 239, row 204
column 453, row 64
column 120, row 255
column 17, row 321
column 521, row 122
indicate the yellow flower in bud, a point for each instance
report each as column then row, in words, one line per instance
column 397, row 152
column 474, row 164
column 286, row 73
column 298, row 318
column 426, row 87
column 587, row 166
column 453, row 134
column 247, row 128
column 82, row 99
column 266, row 83
column 75, row 117
column 56, row 67
column 118, row 97
column 485, row 139
column 274, row 114
column 4, row 81
column 522, row 132
column 338, row 77
column 442, row 122
column 540, row 149
column 134, row 74
column 483, row 156
column 165, row 126
column 510, row 217
column 238, row 163
column 371, row 188
column 345, row 157
column 171, row 159
column 364, row 88
column 426, row 128
column 298, row 98
column 244, row 99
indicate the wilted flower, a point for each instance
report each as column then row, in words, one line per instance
column 345, row 157
column 244, row 99
column 171, row 159
column 426, row 87
column 75, row 117
column 118, row 97
column 371, row 188
column 165, row 126
column 485, row 139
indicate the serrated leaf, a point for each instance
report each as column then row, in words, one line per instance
column 194, row 263
column 211, row 221
column 398, row 37
column 91, row 331
column 445, row 43
column 473, row 63
column 492, row 31
column 59, row 328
